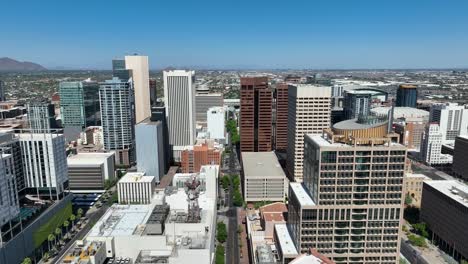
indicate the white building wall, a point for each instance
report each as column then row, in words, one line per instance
column 48, row 170
column 309, row 113
column 432, row 145
column 140, row 73
column 179, row 97
column 452, row 119
column 138, row 192
column 216, row 124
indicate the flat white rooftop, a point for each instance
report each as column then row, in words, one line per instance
column 262, row 165
column 401, row 112
column 457, row 191
column 416, row 175
column 322, row 142
column 89, row 158
column 284, row 239
column 136, row 177
column 301, row 194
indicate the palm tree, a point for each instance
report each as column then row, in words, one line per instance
column 66, row 224
column 26, row 261
column 50, row 238
column 46, row 256
column 80, row 213
column 72, row 219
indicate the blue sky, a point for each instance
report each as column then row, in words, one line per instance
column 238, row 34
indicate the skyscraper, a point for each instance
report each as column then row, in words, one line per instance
column 281, row 129
column 179, row 96
column 216, row 123
column 255, row 115
column 150, row 148
column 140, row 74
column 431, row 146
column 79, row 104
column 9, row 201
column 41, row 117
column 452, row 119
column 11, row 145
column 309, row 113
column 158, row 113
column 45, row 166
column 356, row 103
column 118, row 119
column 120, row 71
column 350, row 206
column 407, row 95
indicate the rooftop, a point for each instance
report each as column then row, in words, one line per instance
column 136, row 177
column 457, row 191
column 401, row 112
column 354, row 124
column 285, row 241
column 84, row 158
column 262, row 164
column 301, row 194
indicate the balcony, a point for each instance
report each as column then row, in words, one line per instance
column 358, row 231
column 358, row 224
column 358, row 217
column 342, row 224
column 340, row 251
column 357, row 250
column 357, row 238
column 341, row 232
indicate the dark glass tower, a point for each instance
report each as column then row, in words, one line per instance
column 407, row 95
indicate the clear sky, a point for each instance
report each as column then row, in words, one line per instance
column 316, row 34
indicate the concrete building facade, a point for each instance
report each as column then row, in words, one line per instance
column 309, row 113
column 179, row 96
column 150, row 148
column 281, row 129
column 263, row 177
column 140, row 76
column 431, row 149
column 452, row 119
column 444, row 208
column 460, row 164
column 90, row 171
column 45, row 164
column 216, row 123
column 136, row 188
column 204, row 101
column 194, row 157
column 9, row 202
column 255, row 115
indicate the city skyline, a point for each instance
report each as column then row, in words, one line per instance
column 260, row 35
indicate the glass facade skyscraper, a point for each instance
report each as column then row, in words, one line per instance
column 79, row 104
column 407, row 95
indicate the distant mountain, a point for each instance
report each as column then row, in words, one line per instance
column 7, row 64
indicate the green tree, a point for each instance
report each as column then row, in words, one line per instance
column 408, row 199
column 417, row 240
column 58, row 232
column 221, row 232
column 66, row 224
column 235, row 181
column 26, row 261
column 225, row 181
column 219, row 259
column 72, row 220
column 421, row 229
column 46, row 256
column 79, row 213
column 464, row 261
column 237, row 198
column 50, row 238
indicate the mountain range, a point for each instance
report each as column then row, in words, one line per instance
column 11, row 65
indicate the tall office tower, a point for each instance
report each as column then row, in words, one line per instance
column 158, row 113
column 11, row 145
column 118, row 119
column 216, row 123
column 153, row 88
column 281, row 129
column 407, row 95
column 9, row 202
column 203, row 102
column 350, row 205
column 120, row 71
column 309, row 113
column 179, row 96
column 150, row 148
column 255, row 115
column 452, row 119
column 2, row 91
column 45, row 166
column 79, row 104
column 431, row 146
column 41, row 117
column 140, row 74
column 337, row 96
column 356, row 104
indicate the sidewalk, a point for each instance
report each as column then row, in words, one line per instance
column 244, row 250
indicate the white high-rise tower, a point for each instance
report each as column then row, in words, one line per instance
column 140, row 73
column 179, row 99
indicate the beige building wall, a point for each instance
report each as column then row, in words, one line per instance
column 140, row 73
column 414, row 186
column 309, row 113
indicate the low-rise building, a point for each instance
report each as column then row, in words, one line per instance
column 263, row 177
column 88, row 172
column 194, row 157
column 85, row 253
column 444, row 208
column 271, row 215
column 136, row 188
column 414, row 187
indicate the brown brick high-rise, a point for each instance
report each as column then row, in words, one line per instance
column 281, row 132
column 255, row 114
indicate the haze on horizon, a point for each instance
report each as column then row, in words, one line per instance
column 259, row 34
